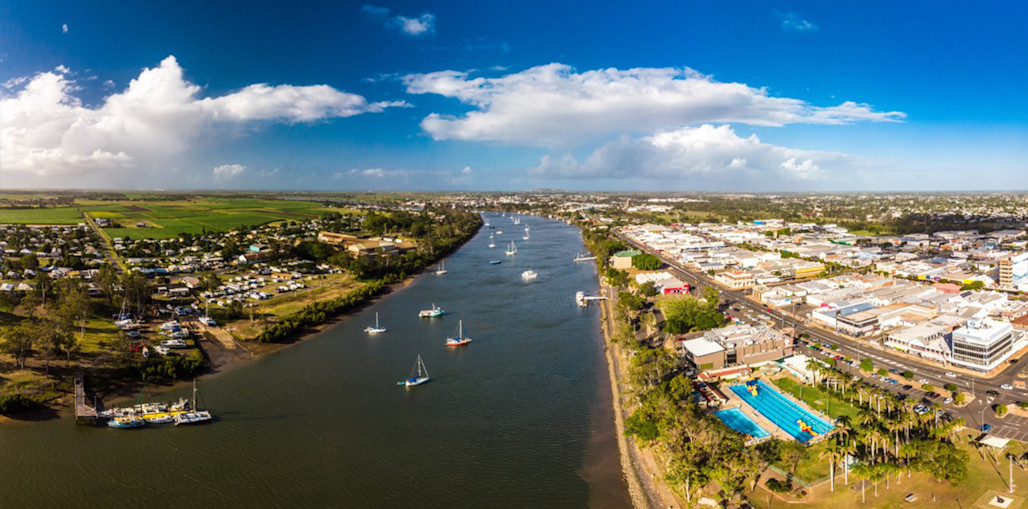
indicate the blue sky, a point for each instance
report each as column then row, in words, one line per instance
column 709, row 96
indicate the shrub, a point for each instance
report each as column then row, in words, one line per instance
column 883, row 372
column 867, row 366
column 928, row 388
column 1022, row 404
column 1001, row 410
column 952, row 387
column 16, row 402
column 779, row 486
column 959, row 398
column 909, row 375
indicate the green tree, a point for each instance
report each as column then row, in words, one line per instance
column 686, row 313
column 646, row 261
column 909, row 375
column 648, row 289
column 867, row 366
column 209, row 281
column 106, row 280
column 17, row 341
column 1001, row 410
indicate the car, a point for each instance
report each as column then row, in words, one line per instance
column 947, row 401
column 933, row 395
column 893, row 381
column 992, row 393
column 893, row 371
column 908, row 387
column 1006, row 387
column 923, row 381
column 985, row 428
column 951, row 374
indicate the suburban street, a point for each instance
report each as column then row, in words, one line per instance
column 975, row 413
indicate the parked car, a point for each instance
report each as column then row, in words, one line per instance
column 951, row 374
column 985, row 428
column 923, row 381
column 1006, row 387
column 947, row 401
column 908, row 387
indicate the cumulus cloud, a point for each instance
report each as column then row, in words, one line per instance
column 47, row 131
column 708, row 152
column 792, row 22
column 415, row 27
column 64, row 28
column 226, row 171
column 554, row 106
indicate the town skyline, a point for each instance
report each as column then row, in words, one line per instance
column 413, row 96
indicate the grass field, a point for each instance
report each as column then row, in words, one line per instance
column 168, row 219
column 817, row 399
column 985, row 479
column 55, row 215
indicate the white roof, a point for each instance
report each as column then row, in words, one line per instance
column 701, row 346
column 996, row 442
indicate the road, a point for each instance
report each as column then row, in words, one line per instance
column 974, row 413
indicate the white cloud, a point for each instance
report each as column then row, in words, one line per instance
column 792, row 22
column 62, row 69
column 704, row 152
column 48, row 132
column 108, row 84
column 64, row 28
column 415, row 27
column 226, row 171
column 466, row 170
column 555, row 106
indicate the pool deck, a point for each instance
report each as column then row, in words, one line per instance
column 734, row 401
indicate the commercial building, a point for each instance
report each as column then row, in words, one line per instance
column 982, row 344
column 736, row 345
column 735, row 279
column 623, row 259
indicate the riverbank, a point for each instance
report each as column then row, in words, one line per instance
column 646, row 484
column 118, row 382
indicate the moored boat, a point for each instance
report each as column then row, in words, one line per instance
column 461, row 339
column 435, row 312
column 419, row 374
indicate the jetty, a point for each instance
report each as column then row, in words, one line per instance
column 583, row 300
column 84, row 414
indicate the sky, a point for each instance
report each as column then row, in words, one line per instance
column 505, row 95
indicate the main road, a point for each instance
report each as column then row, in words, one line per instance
column 987, row 391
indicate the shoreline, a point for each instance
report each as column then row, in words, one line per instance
column 641, row 478
column 64, row 406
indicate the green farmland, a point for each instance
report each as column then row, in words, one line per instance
column 169, row 218
column 54, row 215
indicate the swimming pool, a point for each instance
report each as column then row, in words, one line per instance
column 737, row 420
column 782, row 412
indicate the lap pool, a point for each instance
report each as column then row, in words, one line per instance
column 782, row 412
column 737, row 420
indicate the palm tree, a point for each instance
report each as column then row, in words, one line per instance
column 830, row 453
column 862, row 471
column 875, row 473
column 888, row 468
column 846, row 450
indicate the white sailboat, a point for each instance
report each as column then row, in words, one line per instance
column 460, row 340
column 377, row 328
column 419, row 374
column 512, row 250
column 491, row 243
column 529, row 275
column 442, row 269
column 526, row 237
column 194, row 415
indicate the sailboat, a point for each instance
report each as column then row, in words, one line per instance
column 194, row 416
column 460, row 340
column 491, row 243
column 418, row 375
column 431, row 313
column 377, row 328
column 526, row 237
column 442, row 269
column 512, row 250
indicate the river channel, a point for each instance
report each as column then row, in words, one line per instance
column 521, row 417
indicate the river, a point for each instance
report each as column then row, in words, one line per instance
column 519, row 418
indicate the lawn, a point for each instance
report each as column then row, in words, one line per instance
column 984, row 478
column 817, row 399
column 54, row 215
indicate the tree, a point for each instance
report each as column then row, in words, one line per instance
column 831, row 455
column 107, row 281
column 867, row 366
column 959, row 398
column 648, row 289
column 646, row 261
column 631, row 301
column 17, row 341
column 928, row 388
column 1001, row 410
column 951, row 387
column 209, row 281
column 686, row 313
column 909, row 375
